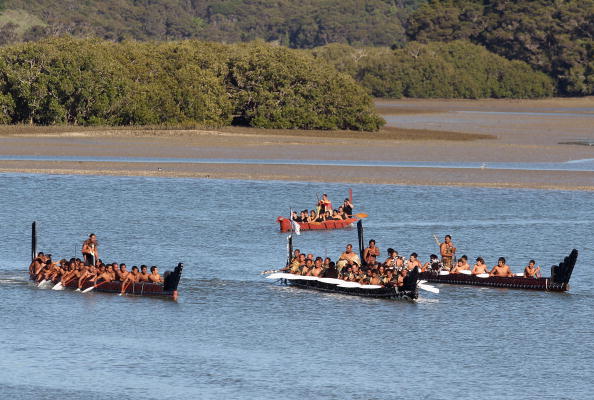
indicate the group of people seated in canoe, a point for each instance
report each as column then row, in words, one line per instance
column 348, row 268
column 324, row 212
column 90, row 270
column 461, row 266
column 394, row 269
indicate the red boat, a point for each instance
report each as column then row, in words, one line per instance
column 285, row 224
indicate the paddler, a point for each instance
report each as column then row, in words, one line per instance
column 348, row 257
column 447, row 250
column 531, row 271
column 461, row 265
column 89, row 250
column 501, row 269
column 144, row 275
column 154, row 277
column 480, row 267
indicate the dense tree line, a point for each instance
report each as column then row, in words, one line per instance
column 456, row 69
column 556, row 37
column 302, row 24
column 76, row 81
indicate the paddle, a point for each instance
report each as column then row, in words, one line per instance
column 360, row 215
column 89, row 289
column 428, row 288
column 270, row 271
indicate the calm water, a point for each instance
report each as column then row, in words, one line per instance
column 234, row 334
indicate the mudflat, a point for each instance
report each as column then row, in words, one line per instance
column 455, row 132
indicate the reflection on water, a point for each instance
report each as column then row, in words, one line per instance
column 235, row 335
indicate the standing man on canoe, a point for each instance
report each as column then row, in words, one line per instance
column 447, row 250
column 89, row 250
column 324, row 204
column 347, row 207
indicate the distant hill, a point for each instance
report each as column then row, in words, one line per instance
column 553, row 37
column 299, row 24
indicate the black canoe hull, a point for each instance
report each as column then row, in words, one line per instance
column 558, row 282
column 545, row 284
column 390, row 293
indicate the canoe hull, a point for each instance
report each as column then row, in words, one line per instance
column 285, row 224
column 558, row 282
column 389, row 293
column 545, row 284
column 167, row 290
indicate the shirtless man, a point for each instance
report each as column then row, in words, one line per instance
column 317, row 268
column 375, row 279
column 447, row 251
column 104, row 274
column 531, row 271
column 480, row 267
column 89, row 250
column 131, row 278
column 306, row 270
column 413, row 262
column 122, row 273
column 462, row 265
column 348, row 257
column 501, row 269
column 371, row 250
column 144, row 275
column 154, row 277
column 88, row 273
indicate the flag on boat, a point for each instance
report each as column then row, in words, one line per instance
column 296, row 227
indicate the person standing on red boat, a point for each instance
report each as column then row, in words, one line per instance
column 324, row 204
column 89, row 250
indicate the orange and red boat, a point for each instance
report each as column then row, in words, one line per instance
column 285, row 224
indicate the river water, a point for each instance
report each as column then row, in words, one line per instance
column 235, row 335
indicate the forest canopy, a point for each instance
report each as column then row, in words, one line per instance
column 553, row 37
column 90, row 82
column 439, row 70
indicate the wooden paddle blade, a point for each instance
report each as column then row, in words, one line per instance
column 361, row 215
column 428, row 288
column 87, row 290
column 58, row 286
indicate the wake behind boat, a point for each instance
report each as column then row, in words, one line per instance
column 91, row 274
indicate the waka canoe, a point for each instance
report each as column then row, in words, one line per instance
column 167, row 289
column 557, row 282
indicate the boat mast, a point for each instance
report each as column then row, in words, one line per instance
column 33, row 241
column 361, row 240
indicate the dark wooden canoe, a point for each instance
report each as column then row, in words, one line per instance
column 166, row 289
column 407, row 292
column 557, row 282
